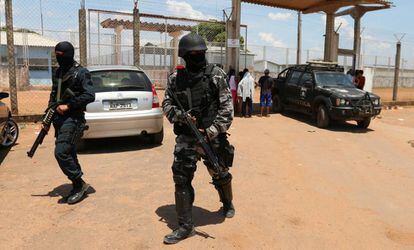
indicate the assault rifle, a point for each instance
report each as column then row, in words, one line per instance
column 210, row 154
column 47, row 120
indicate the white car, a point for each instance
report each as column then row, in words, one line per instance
column 126, row 104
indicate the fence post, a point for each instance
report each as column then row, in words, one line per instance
column 299, row 45
column 136, row 34
column 82, row 34
column 397, row 71
column 11, row 59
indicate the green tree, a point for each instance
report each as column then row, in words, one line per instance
column 213, row 32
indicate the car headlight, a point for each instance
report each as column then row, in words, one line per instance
column 341, row 102
column 376, row 102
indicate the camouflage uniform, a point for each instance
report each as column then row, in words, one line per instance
column 188, row 152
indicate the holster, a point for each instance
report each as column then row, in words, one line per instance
column 225, row 151
column 80, row 129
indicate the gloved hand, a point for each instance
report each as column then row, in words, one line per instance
column 212, row 132
column 179, row 116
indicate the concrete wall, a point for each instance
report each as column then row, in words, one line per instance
column 384, row 78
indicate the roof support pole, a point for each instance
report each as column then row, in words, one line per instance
column 174, row 49
column 329, row 37
column 118, row 44
column 234, row 34
column 357, row 13
column 357, row 42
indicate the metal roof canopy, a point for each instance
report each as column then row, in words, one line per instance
column 330, row 7
column 146, row 26
column 311, row 6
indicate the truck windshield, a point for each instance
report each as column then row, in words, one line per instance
column 333, row 79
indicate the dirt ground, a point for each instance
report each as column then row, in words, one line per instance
column 295, row 187
column 35, row 102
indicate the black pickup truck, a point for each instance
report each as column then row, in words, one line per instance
column 323, row 91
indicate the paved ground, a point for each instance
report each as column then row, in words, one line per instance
column 295, row 187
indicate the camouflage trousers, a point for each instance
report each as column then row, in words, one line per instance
column 187, row 153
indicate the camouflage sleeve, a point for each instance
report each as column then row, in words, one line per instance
column 225, row 112
column 168, row 106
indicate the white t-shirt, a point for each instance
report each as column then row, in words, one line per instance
column 232, row 83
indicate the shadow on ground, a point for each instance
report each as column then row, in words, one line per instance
column 201, row 217
column 115, row 145
column 335, row 126
column 3, row 154
column 63, row 191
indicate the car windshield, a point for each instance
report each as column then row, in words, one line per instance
column 333, row 79
column 120, row 80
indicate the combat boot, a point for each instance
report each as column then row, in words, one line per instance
column 79, row 191
column 183, row 206
column 179, row 234
column 226, row 196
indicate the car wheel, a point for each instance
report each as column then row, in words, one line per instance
column 277, row 104
column 364, row 123
column 158, row 137
column 10, row 134
column 322, row 117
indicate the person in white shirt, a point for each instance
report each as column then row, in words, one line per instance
column 245, row 90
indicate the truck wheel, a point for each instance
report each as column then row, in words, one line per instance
column 158, row 137
column 277, row 104
column 364, row 123
column 322, row 117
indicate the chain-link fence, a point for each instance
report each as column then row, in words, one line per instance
column 36, row 32
column 110, row 41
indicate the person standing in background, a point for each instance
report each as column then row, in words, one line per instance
column 233, row 86
column 245, row 90
column 360, row 79
column 266, row 83
column 351, row 74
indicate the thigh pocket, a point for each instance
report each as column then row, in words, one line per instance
column 66, row 133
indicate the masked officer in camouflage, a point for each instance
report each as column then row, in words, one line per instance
column 70, row 121
column 201, row 88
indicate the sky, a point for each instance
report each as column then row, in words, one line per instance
column 267, row 26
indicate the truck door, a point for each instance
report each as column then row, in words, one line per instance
column 293, row 88
column 305, row 90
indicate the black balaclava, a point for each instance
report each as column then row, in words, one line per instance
column 195, row 62
column 65, row 53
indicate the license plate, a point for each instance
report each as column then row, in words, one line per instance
column 117, row 105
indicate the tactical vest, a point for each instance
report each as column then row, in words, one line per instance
column 198, row 95
column 69, row 80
